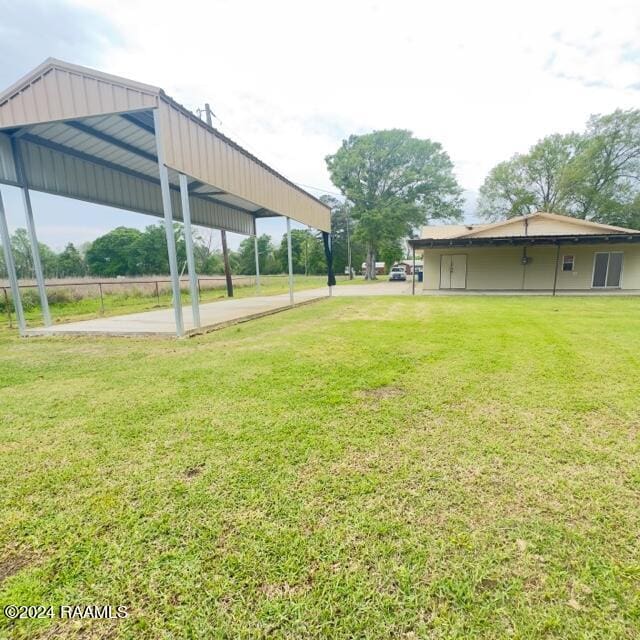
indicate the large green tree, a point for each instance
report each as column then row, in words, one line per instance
column 395, row 183
column 343, row 236
column 112, row 254
column 71, row 263
column 21, row 250
column 593, row 175
column 130, row 252
column 307, row 253
column 149, row 255
column 536, row 181
column 247, row 256
column 605, row 178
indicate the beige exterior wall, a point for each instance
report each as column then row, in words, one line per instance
column 500, row 268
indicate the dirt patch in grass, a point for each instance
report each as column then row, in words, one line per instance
column 380, row 393
column 11, row 564
column 193, row 472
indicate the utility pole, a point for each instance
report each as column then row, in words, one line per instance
column 348, row 241
column 223, row 233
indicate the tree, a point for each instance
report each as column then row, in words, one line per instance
column 247, row 256
column 21, row 250
column 605, row 178
column 112, row 254
column 343, row 235
column 149, row 251
column 23, row 259
column 307, row 253
column 130, row 252
column 594, row 175
column 536, row 181
column 395, row 183
column 70, row 262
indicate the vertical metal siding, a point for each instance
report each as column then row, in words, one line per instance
column 53, row 172
column 7, row 166
column 60, row 94
column 60, row 91
column 229, row 169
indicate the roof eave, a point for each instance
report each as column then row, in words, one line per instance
column 428, row 243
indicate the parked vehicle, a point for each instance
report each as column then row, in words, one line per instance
column 397, row 273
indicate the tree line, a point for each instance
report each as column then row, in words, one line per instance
column 126, row 251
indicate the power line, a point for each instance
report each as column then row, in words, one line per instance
column 257, row 153
column 310, row 186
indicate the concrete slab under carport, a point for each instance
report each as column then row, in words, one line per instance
column 213, row 315
column 161, row 322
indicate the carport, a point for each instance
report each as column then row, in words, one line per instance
column 72, row 131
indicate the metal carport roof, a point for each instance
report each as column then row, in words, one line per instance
column 72, row 131
column 89, row 135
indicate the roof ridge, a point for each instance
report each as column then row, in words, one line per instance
column 52, row 63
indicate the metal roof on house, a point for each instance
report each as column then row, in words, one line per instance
column 538, row 228
column 540, row 223
column 84, row 134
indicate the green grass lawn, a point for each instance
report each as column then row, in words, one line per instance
column 355, row 468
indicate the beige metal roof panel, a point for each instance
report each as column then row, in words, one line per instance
column 57, row 90
column 543, row 224
column 59, row 96
column 61, row 174
column 203, row 153
column 540, row 223
column 447, row 230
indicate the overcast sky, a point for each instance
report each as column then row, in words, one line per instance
column 290, row 80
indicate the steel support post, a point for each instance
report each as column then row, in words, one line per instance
column 11, row 269
column 255, row 249
column 188, row 240
column 31, row 230
column 290, row 259
column 168, row 227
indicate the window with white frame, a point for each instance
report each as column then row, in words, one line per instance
column 568, row 263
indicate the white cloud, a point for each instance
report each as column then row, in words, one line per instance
column 289, row 80
column 292, row 79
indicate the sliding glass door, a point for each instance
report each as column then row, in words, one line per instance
column 607, row 269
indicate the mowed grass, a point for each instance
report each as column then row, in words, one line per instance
column 356, row 468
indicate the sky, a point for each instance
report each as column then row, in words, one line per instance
column 290, row 80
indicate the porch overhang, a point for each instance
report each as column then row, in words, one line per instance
column 575, row 239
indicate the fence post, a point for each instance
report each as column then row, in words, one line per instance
column 6, row 304
column 157, row 293
column 101, row 298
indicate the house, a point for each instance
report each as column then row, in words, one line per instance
column 408, row 265
column 380, row 268
column 537, row 253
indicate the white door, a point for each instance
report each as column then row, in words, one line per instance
column 453, row 271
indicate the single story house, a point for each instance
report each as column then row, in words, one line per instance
column 537, row 253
